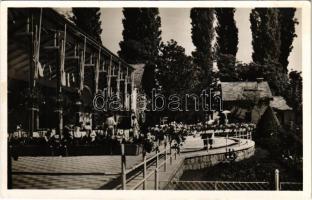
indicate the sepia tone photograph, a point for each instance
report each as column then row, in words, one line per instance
column 155, row 98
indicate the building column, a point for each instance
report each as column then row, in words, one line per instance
column 118, row 82
column 109, row 76
column 31, row 105
column 96, row 73
column 126, row 91
column 60, row 62
column 132, row 97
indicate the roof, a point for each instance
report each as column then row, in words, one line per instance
column 245, row 91
column 279, row 103
column 138, row 74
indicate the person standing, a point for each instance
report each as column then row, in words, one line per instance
column 135, row 126
column 110, row 124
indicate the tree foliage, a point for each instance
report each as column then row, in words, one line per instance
column 271, row 73
column 272, row 36
column 141, row 35
column 149, row 78
column 227, row 66
column 227, row 32
column 88, row 19
column 287, row 23
column 175, row 69
column 294, row 97
column 266, row 35
column 226, row 45
column 202, row 36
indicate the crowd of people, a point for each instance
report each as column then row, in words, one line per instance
column 172, row 133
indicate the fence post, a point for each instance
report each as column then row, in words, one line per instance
column 156, row 179
column 144, row 173
column 157, row 157
column 175, row 154
column 165, row 165
column 277, row 182
column 123, row 167
column 9, row 169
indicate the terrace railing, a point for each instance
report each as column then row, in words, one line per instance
column 168, row 158
column 241, row 133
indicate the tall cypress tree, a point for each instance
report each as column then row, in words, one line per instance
column 266, row 42
column 141, row 35
column 227, row 32
column 226, row 45
column 141, row 41
column 202, row 36
column 88, row 19
column 287, row 22
column 266, row 35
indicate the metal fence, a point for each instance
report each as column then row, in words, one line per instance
column 237, row 185
column 218, row 185
column 293, row 186
column 227, row 185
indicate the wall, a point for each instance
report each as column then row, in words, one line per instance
column 204, row 161
column 200, row 162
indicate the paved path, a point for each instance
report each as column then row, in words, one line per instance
column 77, row 172
column 196, row 143
column 84, row 172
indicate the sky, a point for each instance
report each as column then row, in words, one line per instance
column 176, row 24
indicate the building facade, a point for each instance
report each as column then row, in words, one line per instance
column 55, row 70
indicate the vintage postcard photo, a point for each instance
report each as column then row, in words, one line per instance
column 204, row 97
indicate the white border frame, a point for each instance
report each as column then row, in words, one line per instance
column 106, row 194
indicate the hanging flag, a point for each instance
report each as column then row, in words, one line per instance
column 82, row 63
column 68, row 79
column 62, row 64
column 81, row 72
column 37, row 66
column 62, row 59
column 50, row 72
column 35, row 57
column 97, row 68
column 73, row 77
column 40, row 69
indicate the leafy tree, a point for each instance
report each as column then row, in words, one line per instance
column 271, row 72
column 141, row 35
column 176, row 70
column 287, row 23
column 88, row 19
column 294, row 97
column 267, row 126
column 266, row 35
column 202, row 36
